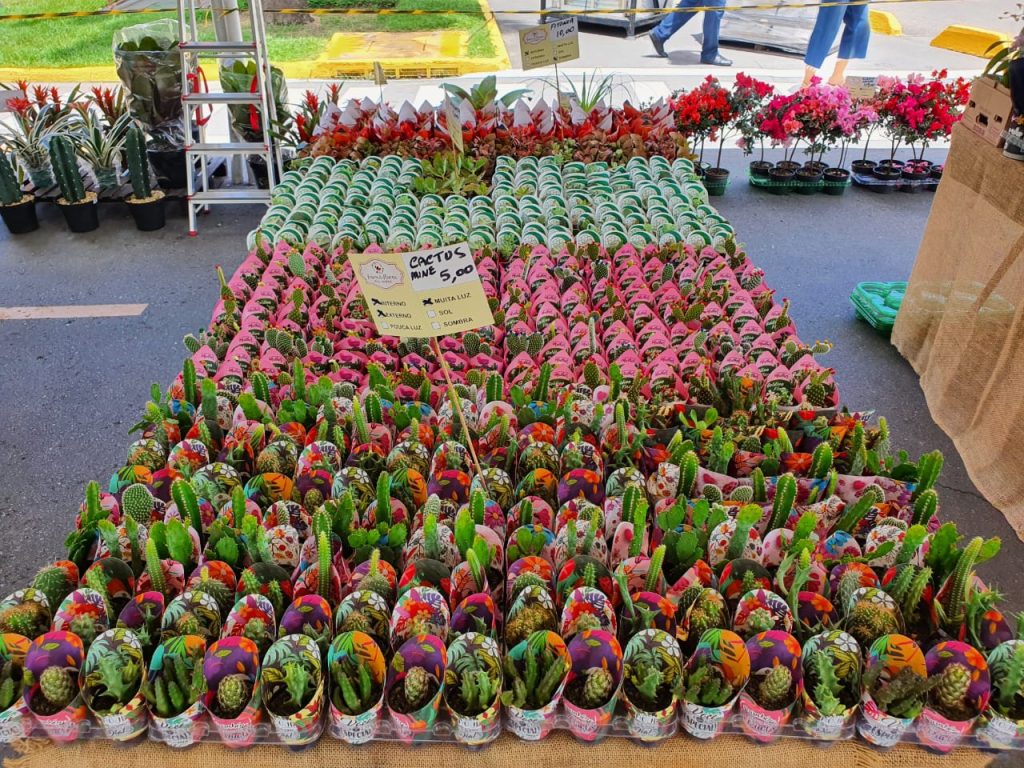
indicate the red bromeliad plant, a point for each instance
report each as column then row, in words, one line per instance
column 919, row 110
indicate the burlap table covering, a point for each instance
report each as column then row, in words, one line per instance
column 557, row 751
column 961, row 324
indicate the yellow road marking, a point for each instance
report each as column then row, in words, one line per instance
column 72, row 311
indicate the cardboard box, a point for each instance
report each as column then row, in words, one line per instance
column 988, row 110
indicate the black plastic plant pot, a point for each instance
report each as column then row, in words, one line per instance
column 80, row 217
column 788, row 165
column 836, row 181
column 936, row 172
column 809, row 179
column 891, row 164
column 171, row 167
column 20, row 218
column 258, row 167
column 149, row 215
column 815, row 165
column 887, row 173
column 760, row 168
column 863, row 167
column 915, row 173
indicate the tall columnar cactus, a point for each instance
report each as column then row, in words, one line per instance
column 10, row 189
column 323, row 550
column 954, row 602
column 928, row 468
column 138, row 163
column 759, row 486
column 821, row 461
column 688, row 474
column 187, row 503
column 785, row 496
column 925, row 507
column 65, row 165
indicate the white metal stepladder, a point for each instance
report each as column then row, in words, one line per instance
column 261, row 98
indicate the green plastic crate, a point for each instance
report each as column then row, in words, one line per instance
column 878, row 303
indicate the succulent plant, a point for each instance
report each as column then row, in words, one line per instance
column 532, row 682
column 65, row 166
column 58, row 686
column 531, row 618
column 867, row 621
column 418, row 687
column 176, row 686
column 706, row 685
column 475, row 694
column 828, row 692
column 772, row 690
column 138, row 163
column 949, row 693
column 233, row 695
column 592, row 689
column 648, row 688
column 902, row 696
column 53, row 581
column 27, row 618
column 355, row 690
column 1008, row 683
column 114, row 682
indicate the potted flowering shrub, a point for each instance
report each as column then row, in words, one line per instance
column 37, row 119
column 705, row 113
column 749, row 97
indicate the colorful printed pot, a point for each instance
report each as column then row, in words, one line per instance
column 230, row 656
column 535, row 724
column 186, row 728
column 421, row 610
column 644, row 724
column 893, row 652
column 428, row 652
column 726, row 651
column 768, row 650
column 57, row 649
column 936, row 730
column 364, row 651
column 757, row 603
column 589, row 603
column 364, row 611
column 474, row 651
column 132, row 718
column 304, row 726
column 994, row 728
column 589, row 650
column 16, row 720
column 845, row 657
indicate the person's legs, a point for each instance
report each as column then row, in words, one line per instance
column 712, row 24
column 672, row 22
column 826, row 27
column 854, row 43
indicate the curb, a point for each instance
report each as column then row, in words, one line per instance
column 884, row 23
column 973, row 41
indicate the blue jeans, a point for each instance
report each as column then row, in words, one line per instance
column 856, row 32
column 673, row 22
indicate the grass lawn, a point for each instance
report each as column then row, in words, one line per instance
column 80, row 42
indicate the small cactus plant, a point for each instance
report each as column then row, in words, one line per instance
column 355, row 690
column 1007, row 684
column 826, row 689
column 592, row 689
column 233, row 694
column 531, row 683
column 706, row 685
column 475, row 694
column 417, row 688
column 113, row 683
column 58, row 686
column 175, row 686
column 138, row 163
column 902, row 696
column 949, row 694
column 646, row 685
column 10, row 189
column 868, row 621
column 65, row 165
column 10, row 684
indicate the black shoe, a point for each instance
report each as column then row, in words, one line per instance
column 717, row 61
column 659, row 47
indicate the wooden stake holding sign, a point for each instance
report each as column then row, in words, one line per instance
column 426, row 294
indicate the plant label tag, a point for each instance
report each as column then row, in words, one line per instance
column 423, row 294
column 454, row 125
column 553, row 43
column 379, row 78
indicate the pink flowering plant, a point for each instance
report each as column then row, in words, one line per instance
column 750, row 97
column 920, row 109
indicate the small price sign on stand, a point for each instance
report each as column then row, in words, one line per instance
column 552, row 43
column 861, row 88
column 423, row 294
column 426, row 294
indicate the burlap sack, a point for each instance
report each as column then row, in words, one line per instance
column 962, row 321
column 557, row 751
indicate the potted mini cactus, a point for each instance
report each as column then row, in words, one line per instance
column 142, row 615
column 413, row 689
column 420, row 611
column 592, row 687
column 776, row 683
column 959, row 691
column 145, row 203
column 111, row 683
column 870, row 614
column 357, row 671
column 15, row 721
column 174, row 688
column 472, row 688
column 715, row 675
column 652, row 666
column 192, row 613
column 77, row 205
column 26, row 612
column 231, row 673
column 51, row 684
column 535, row 673
column 1002, row 726
column 532, row 610
column 309, row 615
column 894, row 688
column 364, row 611
column 17, row 209
column 293, row 689
column 832, row 666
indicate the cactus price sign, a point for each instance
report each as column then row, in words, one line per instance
column 552, row 43
column 423, row 294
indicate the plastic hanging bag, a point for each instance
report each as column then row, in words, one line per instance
column 148, row 62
